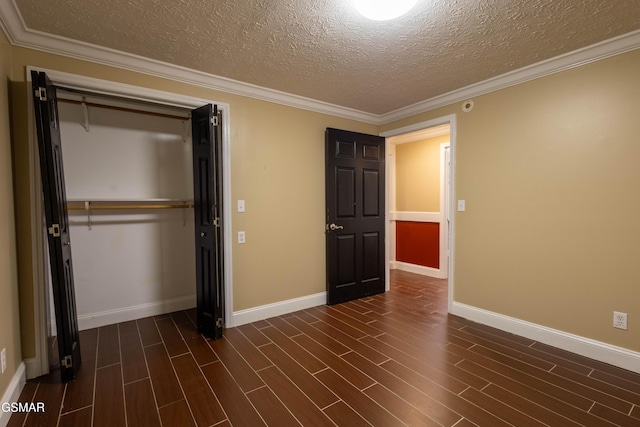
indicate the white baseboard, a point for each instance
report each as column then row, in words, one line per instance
column 110, row 317
column 607, row 353
column 32, row 370
column 278, row 309
column 418, row 269
column 95, row 320
column 12, row 393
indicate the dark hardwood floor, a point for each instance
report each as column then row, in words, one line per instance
column 389, row 360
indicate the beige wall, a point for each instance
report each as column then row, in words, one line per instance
column 418, row 175
column 549, row 171
column 9, row 313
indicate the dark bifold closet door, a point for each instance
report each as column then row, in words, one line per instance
column 55, row 207
column 207, row 186
column 355, row 229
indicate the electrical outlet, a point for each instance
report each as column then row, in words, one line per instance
column 3, row 356
column 620, row 320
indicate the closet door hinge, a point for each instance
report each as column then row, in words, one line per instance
column 214, row 120
column 219, row 322
column 54, row 230
column 67, row 362
column 41, row 93
column 216, row 222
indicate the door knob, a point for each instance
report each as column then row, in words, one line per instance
column 202, row 234
column 334, row 227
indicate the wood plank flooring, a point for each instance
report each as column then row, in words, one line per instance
column 389, row 360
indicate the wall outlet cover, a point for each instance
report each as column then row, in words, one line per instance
column 620, row 320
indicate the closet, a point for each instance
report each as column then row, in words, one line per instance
column 129, row 183
column 143, row 236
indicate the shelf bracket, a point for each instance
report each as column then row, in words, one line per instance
column 85, row 111
column 87, row 207
column 184, row 214
column 185, row 130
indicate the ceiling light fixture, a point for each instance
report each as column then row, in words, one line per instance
column 383, row 10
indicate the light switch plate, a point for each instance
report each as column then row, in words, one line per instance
column 461, row 205
column 240, row 205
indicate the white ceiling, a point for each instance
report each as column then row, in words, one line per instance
column 325, row 51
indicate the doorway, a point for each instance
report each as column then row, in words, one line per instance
column 39, row 364
column 421, row 234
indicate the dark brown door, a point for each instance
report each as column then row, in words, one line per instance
column 355, row 229
column 55, row 208
column 207, row 186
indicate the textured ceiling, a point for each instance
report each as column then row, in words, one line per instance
column 322, row 49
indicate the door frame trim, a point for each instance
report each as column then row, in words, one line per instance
column 389, row 183
column 445, row 196
column 107, row 87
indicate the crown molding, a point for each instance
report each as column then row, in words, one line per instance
column 19, row 35
column 596, row 52
column 11, row 20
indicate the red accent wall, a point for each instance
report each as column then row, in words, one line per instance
column 418, row 243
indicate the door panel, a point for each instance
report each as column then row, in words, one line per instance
column 371, row 193
column 346, row 193
column 371, row 252
column 346, row 251
column 207, row 185
column 59, row 243
column 371, row 152
column 355, row 234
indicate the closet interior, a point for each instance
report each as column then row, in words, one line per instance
column 129, row 185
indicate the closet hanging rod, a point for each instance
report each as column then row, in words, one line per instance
column 128, row 110
column 127, row 207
